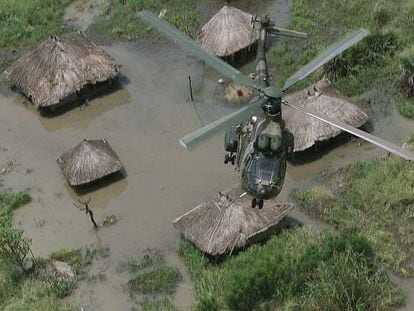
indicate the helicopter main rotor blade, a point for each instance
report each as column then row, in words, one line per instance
column 332, row 51
column 287, row 33
column 193, row 48
column 189, row 141
column 397, row 150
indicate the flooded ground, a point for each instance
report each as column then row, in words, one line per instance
column 142, row 121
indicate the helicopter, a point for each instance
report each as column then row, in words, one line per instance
column 256, row 140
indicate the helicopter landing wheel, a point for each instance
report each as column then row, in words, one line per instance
column 254, row 203
column 226, row 159
column 260, row 204
column 233, row 159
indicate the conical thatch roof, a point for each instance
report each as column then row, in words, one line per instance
column 227, row 32
column 223, row 223
column 89, row 161
column 59, row 67
column 324, row 99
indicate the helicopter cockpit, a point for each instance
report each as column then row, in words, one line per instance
column 264, row 174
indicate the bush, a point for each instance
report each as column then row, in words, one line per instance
column 158, row 280
column 14, row 247
column 370, row 52
column 406, row 79
column 151, row 280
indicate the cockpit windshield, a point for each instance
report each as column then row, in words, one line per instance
column 265, row 168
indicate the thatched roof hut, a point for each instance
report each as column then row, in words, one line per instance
column 89, row 161
column 228, row 222
column 228, row 32
column 324, row 99
column 60, row 67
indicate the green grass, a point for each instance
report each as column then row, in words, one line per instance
column 19, row 289
column 120, row 17
column 297, row 270
column 370, row 64
column 24, row 22
column 374, row 199
column 151, row 280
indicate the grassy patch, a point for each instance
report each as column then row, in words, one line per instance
column 162, row 304
column 370, row 64
column 120, row 17
column 20, row 289
column 374, row 199
column 297, row 270
column 151, row 280
column 24, row 22
column 406, row 107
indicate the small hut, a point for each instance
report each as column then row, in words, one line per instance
column 228, row 222
column 228, row 32
column 59, row 68
column 324, row 99
column 89, row 161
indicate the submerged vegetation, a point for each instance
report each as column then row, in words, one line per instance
column 151, row 281
column 20, row 289
column 28, row 283
column 374, row 63
column 298, row 269
column 120, row 18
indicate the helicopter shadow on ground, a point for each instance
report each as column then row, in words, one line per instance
column 85, row 95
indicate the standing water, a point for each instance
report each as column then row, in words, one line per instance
column 142, row 121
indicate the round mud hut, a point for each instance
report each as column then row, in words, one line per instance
column 228, row 222
column 228, row 32
column 324, row 99
column 89, row 161
column 59, row 68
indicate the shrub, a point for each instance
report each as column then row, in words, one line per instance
column 158, row 280
column 406, row 78
column 370, row 52
column 151, row 280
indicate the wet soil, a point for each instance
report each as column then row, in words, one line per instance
column 142, row 120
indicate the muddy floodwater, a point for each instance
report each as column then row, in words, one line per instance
column 142, row 119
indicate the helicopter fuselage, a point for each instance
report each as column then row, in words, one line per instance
column 259, row 143
column 261, row 156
